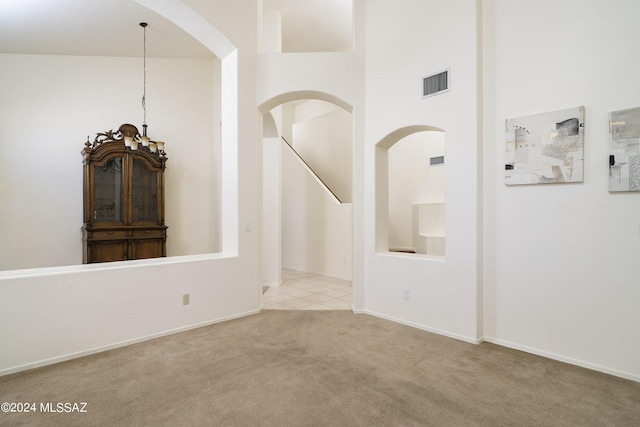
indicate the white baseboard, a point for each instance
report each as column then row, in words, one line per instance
column 565, row 359
column 422, row 327
column 125, row 343
column 503, row 343
column 271, row 285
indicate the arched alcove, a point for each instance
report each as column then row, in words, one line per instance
column 410, row 191
column 309, row 26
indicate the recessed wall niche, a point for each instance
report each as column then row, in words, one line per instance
column 310, row 26
column 410, row 192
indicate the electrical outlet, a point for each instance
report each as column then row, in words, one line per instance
column 406, row 293
column 185, row 299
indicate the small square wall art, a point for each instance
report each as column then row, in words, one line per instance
column 624, row 150
column 545, row 148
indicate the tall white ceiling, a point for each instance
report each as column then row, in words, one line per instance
column 111, row 28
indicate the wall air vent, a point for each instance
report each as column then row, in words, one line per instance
column 436, row 161
column 435, row 83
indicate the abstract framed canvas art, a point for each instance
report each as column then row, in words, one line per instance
column 624, row 151
column 545, row 148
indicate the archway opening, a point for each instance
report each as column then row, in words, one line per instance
column 307, row 184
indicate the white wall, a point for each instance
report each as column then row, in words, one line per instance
column 295, row 76
column 50, row 104
column 324, row 27
column 317, row 231
column 312, row 108
column 271, row 212
column 325, row 142
column 271, row 37
column 561, row 261
column 406, row 41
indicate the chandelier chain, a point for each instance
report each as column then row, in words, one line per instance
column 144, row 77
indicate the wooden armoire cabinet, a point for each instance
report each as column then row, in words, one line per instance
column 123, row 197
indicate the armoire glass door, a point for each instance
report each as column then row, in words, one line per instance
column 145, row 193
column 108, row 191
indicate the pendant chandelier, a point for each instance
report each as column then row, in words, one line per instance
column 132, row 138
column 128, row 133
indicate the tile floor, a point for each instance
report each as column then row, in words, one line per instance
column 308, row 291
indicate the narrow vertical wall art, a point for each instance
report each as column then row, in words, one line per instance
column 624, row 151
column 545, row 148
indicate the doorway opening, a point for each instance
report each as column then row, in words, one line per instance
column 307, row 210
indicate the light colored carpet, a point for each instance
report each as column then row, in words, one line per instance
column 320, row 368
